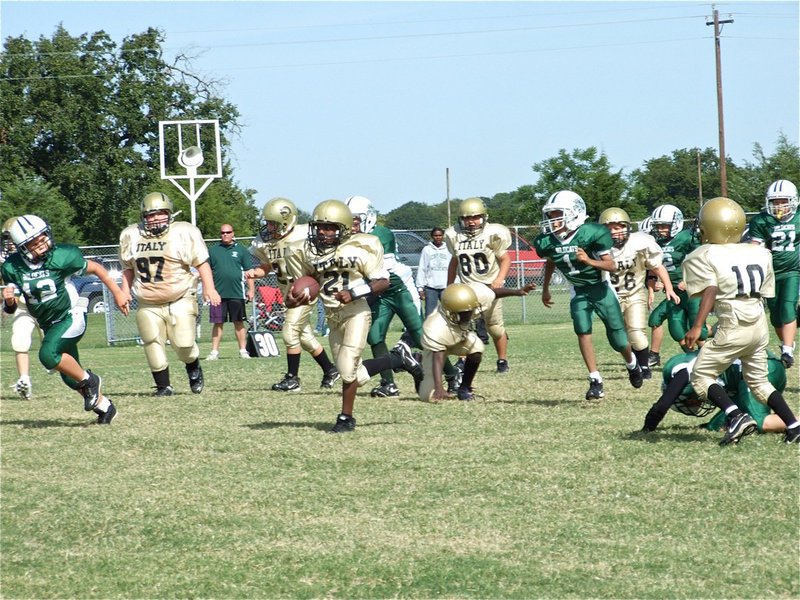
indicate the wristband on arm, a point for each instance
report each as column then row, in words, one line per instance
column 360, row 291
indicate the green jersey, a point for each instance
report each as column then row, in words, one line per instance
column 386, row 236
column 675, row 250
column 48, row 292
column 783, row 239
column 594, row 238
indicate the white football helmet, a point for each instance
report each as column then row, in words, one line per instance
column 362, row 208
column 646, row 225
column 666, row 214
column 25, row 231
column 785, row 191
column 573, row 213
column 6, row 243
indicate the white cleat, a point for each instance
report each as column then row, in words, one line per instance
column 23, row 388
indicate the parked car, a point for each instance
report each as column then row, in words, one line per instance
column 409, row 247
column 90, row 286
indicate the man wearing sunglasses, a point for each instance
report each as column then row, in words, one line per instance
column 229, row 260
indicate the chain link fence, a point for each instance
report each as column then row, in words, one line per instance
column 266, row 311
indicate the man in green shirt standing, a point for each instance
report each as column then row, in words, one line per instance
column 229, row 260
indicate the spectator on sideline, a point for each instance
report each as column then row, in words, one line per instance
column 229, row 260
column 432, row 270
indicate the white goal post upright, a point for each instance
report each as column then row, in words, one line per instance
column 192, row 152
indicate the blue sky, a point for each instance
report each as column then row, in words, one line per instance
column 379, row 98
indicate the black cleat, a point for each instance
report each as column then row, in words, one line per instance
column 453, row 383
column 108, row 416
column 502, row 366
column 344, row 424
column 90, row 390
column 595, row 391
column 465, row 393
column 787, row 360
column 647, row 373
column 792, row 436
column 195, row 378
column 460, row 365
column 387, row 389
column 653, row 359
column 164, row 391
column 738, row 427
column 635, row 376
column 289, row 383
column 329, row 378
column 410, row 364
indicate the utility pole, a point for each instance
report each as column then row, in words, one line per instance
column 723, row 170
column 447, row 185
column 700, row 179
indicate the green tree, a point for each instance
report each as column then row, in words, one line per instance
column 82, row 114
column 34, row 196
column 586, row 172
column 748, row 184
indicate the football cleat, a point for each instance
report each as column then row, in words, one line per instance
column 213, row 355
column 787, row 360
column 289, row 383
column 409, row 363
column 244, row 353
column 738, row 427
column 344, row 424
column 330, row 378
column 502, row 366
column 108, row 416
column 792, row 436
column 387, row 389
column 653, row 359
column 453, row 383
column 595, row 391
column 465, row 393
column 460, row 365
column 164, row 391
column 90, row 390
column 647, row 373
column 195, row 378
column 23, row 388
column 635, row 376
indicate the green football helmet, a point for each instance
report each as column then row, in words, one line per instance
column 617, row 215
column 278, row 218
column 331, row 224
column 155, row 203
column 721, row 221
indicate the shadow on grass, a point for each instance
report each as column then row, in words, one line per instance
column 671, row 434
column 42, row 423
column 326, row 426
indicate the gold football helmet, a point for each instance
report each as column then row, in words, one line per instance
column 619, row 216
column 6, row 243
column 472, row 207
column 278, row 218
column 330, row 225
column 158, row 207
column 459, row 302
column 721, row 221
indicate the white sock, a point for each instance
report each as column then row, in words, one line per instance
column 631, row 365
column 596, row 376
column 103, row 404
column 788, row 350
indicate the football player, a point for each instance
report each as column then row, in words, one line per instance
column 449, row 331
column 22, row 325
column 634, row 254
column 480, row 255
column 397, row 299
column 280, row 240
column 777, row 228
column 349, row 267
column 40, row 270
column 582, row 251
column 676, row 243
column 679, row 395
column 158, row 256
column 731, row 279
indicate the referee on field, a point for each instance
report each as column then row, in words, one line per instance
column 229, row 260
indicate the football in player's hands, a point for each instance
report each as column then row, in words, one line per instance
column 304, row 290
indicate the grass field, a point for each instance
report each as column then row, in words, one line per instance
column 532, row 492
